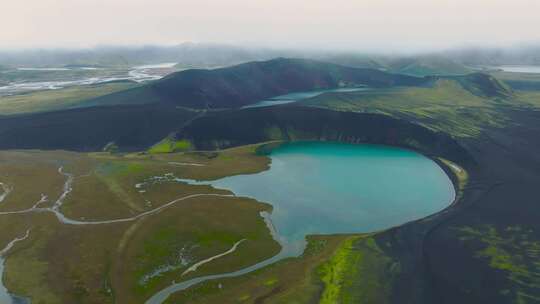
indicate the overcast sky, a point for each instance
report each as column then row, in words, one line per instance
column 390, row 25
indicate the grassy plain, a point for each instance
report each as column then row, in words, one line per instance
column 333, row 269
column 178, row 238
column 49, row 100
column 125, row 262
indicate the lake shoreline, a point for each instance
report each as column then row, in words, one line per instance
column 284, row 242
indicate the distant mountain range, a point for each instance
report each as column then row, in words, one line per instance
column 187, row 55
column 526, row 55
column 204, row 55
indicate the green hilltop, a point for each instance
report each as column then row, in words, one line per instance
column 427, row 66
column 460, row 105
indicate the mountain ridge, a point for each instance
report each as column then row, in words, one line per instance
column 244, row 84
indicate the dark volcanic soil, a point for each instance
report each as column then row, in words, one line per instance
column 503, row 193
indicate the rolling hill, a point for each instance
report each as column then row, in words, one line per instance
column 248, row 83
column 426, row 66
column 462, row 106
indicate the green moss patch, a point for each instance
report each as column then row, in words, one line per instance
column 358, row 272
column 169, row 145
column 513, row 251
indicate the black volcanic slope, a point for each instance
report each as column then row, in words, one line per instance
column 484, row 249
column 254, row 125
column 90, row 129
column 248, row 83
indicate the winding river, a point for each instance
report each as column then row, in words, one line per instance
column 330, row 188
column 5, row 296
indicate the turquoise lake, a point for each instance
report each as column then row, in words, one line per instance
column 327, row 188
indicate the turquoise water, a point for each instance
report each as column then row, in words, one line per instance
column 327, row 188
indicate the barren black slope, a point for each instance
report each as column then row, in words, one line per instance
column 133, row 127
column 254, row 125
column 483, row 249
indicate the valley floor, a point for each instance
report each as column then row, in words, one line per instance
column 104, row 229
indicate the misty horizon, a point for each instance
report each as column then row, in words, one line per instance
column 509, row 49
column 367, row 26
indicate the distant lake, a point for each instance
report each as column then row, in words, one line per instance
column 531, row 69
column 292, row 97
column 329, row 188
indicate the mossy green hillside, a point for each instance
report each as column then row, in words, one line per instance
column 445, row 106
column 169, row 145
column 358, row 272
